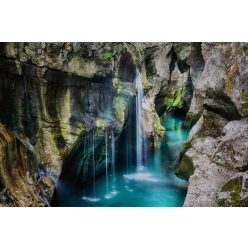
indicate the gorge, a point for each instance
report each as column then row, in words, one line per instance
column 123, row 124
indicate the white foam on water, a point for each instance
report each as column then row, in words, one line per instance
column 108, row 196
column 142, row 176
column 91, row 199
column 114, row 192
column 128, row 189
column 111, row 195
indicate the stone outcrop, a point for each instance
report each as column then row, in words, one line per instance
column 215, row 157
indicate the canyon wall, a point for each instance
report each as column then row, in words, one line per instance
column 55, row 97
column 58, row 100
column 215, row 157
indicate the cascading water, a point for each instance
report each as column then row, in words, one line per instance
column 106, row 162
column 113, row 162
column 123, row 185
column 140, row 136
column 94, row 164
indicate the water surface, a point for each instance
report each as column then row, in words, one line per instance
column 152, row 185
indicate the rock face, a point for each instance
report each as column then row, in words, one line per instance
column 23, row 183
column 54, row 92
column 59, row 96
column 216, row 155
column 61, row 99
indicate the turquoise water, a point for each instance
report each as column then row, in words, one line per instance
column 153, row 185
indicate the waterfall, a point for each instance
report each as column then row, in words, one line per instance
column 128, row 148
column 139, row 129
column 85, row 168
column 106, row 161
column 94, row 164
column 113, row 158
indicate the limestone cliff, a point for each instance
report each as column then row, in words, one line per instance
column 216, row 153
column 57, row 98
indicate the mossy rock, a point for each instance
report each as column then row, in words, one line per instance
column 175, row 100
column 119, row 105
column 231, row 191
column 244, row 97
column 149, row 61
column 180, row 46
column 192, row 118
column 186, row 147
column 186, row 168
column 107, row 56
column 158, row 128
column 245, row 49
column 229, row 87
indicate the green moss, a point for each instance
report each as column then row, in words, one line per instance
column 192, row 118
column 107, row 56
column 244, row 97
column 180, row 46
column 245, row 49
column 168, row 101
column 233, row 187
column 119, row 105
column 158, row 128
column 229, row 82
column 176, row 99
column 119, row 86
column 138, row 46
column 186, row 168
column 186, row 147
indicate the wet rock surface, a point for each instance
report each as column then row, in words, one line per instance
column 59, row 96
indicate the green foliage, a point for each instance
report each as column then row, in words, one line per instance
column 107, row 56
